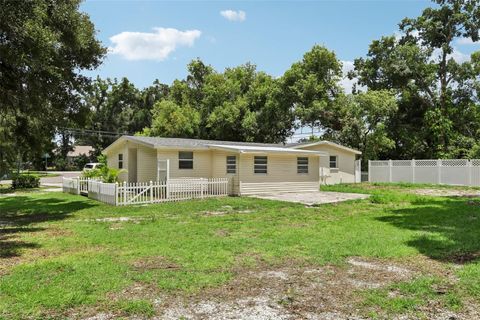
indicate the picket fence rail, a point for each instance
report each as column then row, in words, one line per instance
column 436, row 171
column 151, row 192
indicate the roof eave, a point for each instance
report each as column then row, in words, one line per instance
column 336, row 145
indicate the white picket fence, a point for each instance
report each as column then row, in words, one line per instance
column 76, row 185
column 441, row 171
column 152, row 192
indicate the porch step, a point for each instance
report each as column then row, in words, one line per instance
column 278, row 187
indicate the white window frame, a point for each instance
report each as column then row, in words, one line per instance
column 185, row 160
column 260, row 166
column 335, row 161
column 231, row 166
column 120, row 161
column 302, row 165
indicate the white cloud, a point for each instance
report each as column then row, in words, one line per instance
column 466, row 41
column 233, row 15
column 155, row 45
column 456, row 55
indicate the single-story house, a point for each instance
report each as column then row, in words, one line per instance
column 252, row 167
column 77, row 152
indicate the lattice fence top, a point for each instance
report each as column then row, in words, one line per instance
column 426, row 163
column 455, row 163
column 402, row 163
column 376, row 163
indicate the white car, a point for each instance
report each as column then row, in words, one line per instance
column 91, row 166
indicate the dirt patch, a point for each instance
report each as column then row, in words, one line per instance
column 464, row 257
column 122, row 219
column 295, row 290
column 447, row 192
column 224, row 211
column 152, row 263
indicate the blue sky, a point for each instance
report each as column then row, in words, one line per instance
column 156, row 39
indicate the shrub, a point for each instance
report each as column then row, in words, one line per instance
column 25, row 181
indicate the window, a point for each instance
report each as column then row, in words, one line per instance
column 260, row 164
column 120, row 161
column 231, row 164
column 302, row 165
column 334, row 162
column 185, row 160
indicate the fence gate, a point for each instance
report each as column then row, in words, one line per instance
column 163, row 170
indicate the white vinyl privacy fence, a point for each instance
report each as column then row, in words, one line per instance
column 152, row 192
column 441, row 171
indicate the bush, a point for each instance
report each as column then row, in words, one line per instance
column 25, row 181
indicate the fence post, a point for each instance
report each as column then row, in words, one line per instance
column 369, row 170
column 78, row 186
column 439, row 171
column 413, row 170
column 124, row 192
column 469, row 164
column 151, row 191
column 390, row 170
column 116, row 194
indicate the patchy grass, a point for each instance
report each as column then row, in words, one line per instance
column 60, row 252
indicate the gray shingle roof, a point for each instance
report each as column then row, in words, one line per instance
column 195, row 143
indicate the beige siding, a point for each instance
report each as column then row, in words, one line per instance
column 202, row 163
column 346, row 164
column 112, row 159
column 146, row 164
column 282, row 174
column 143, row 161
column 219, row 168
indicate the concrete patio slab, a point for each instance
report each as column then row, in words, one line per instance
column 313, row 198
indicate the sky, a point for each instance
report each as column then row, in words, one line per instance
column 150, row 40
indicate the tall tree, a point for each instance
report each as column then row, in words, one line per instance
column 438, row 95
column 44, row 46
column 312, row 86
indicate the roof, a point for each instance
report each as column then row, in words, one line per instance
column 300, row 145
column 159, row 142
column 79, row 150
column 262, row 149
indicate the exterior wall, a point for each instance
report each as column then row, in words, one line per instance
column 143, row 161
column 219, row 168
column 346, row 164
column 146, row 164
column 281, row 174
column 112, row 159
column 202, row 163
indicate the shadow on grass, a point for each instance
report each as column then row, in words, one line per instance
column 19, row 214
column 448, row 229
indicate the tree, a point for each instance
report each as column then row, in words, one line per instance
column 312, row 86
column 171, row 120
column 365, row 122
column 44, row 46
column 437, row 94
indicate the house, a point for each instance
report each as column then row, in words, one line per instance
column 252, row 167
column 78, row 151
column 343, row 162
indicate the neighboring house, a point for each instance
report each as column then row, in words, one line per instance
column 78, row 151
column 252, row 167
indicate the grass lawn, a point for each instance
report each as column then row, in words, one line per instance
column 67, row 256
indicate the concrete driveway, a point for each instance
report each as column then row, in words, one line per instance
column 313, row 198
